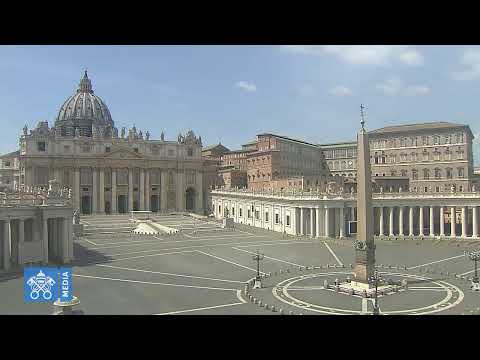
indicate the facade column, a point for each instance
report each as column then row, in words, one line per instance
column 327, row 222
column 21, row 240
column 400, row 220
column 181, row 191
column 102, row 191
column 391, row 221
column 301, row 222
column 142, row 189
column 147, row 190
column 76, row 188
column 94, row 192
column 342, row 223
column 317, row 219
column 464, row 222
column 199, row 203
column 113, row 191
column 382, row 232
column 45, row 239
column 421, row 220
column 453, row 222
column 28, row 180
column 163, row 192
column 311, row 222
column 432, row 224
column 130, row 189
column 442, row 222
column 7, row 240
column 410, row 221
column 475, row 223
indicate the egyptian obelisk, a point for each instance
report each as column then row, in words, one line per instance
column 364, row 245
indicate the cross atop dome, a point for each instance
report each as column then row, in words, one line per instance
column 85, row 85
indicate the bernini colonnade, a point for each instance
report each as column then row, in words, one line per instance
column 396, row 215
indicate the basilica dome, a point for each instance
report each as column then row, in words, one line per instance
column 83, row 112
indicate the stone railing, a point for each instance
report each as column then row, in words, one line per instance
column 35, row 196
column 317, row 195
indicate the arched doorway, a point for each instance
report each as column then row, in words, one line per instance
column 190, row 199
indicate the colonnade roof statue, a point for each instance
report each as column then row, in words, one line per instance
column 364, row 245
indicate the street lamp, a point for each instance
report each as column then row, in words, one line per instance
column 474, row 256
column 375, row 279
column 258, row 280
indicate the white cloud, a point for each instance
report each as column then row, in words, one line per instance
column 246, row 86
column 340, row 91
column 390, row 87
column 470, row 61
column 417, row 90
column 362, row 54
column 395, row 86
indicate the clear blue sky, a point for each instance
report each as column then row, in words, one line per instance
column 232, row 93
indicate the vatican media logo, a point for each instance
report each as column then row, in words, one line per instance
column 47, row 284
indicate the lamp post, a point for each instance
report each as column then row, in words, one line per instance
column 375, row 278
column 474, row 256
column 258, row 280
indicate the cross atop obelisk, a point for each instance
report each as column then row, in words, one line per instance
column 364, row 245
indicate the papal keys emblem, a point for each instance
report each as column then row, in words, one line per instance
column 41, row 284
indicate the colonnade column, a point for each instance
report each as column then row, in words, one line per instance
column 95, row 191
column 453, row 222
column 442, row 222
column 432, row 225
column 311, row 221
column 421, row 220
column 114, row 191
column 147, row 190
column 342, row 223
column 475, row 223
column 317, row 219
column 142, row 189
column 102, row 191
column 391, row 221
column 327, row 222
column 382, row 233
column 130, row 189
column 6, row 244
column 301, row 222
column 410, row 221
column 400, row 220
column 21, row 240
column 45, row 239
column 64, row 240
column 464, row 221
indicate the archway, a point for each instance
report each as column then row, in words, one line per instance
column 190, row 199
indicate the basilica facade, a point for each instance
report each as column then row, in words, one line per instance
column 111, row 171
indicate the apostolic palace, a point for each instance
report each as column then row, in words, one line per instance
column 423, row 180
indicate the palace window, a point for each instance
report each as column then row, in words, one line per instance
column 424, row 140
column 460, row 154
column 41, row 146
column 288, row 220
column 426, row 174
column 436, row 140
column 438, row 173
column 425, row 155
column 107, row 149
column 448, row 173
column 414, row 174
column 240, row 212
column 436, row 155
column 460, row 172
column 266, row 216
column 277, row 218
column 404, row 173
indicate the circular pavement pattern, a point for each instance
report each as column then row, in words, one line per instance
column 302, row 291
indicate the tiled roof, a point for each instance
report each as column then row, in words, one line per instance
column 414, row 127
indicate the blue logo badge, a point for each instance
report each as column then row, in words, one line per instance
column 47, row 284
